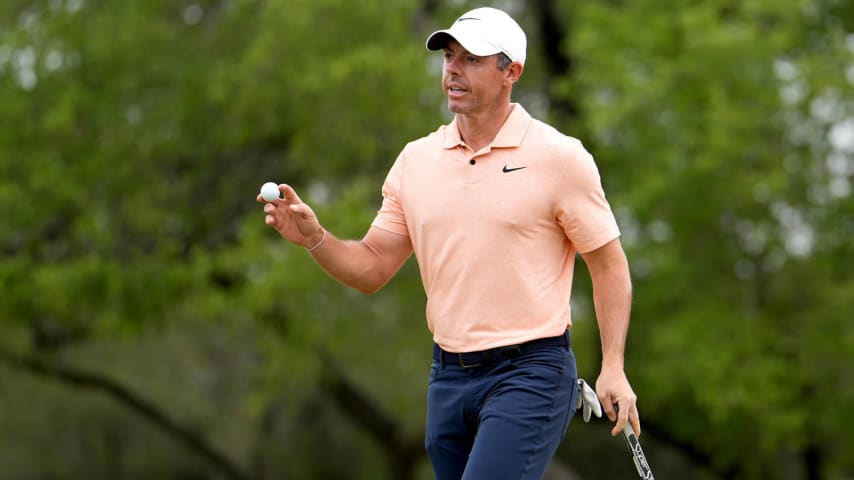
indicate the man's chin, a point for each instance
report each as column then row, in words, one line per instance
column 456, row 107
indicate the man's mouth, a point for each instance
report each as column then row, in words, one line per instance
column 456, row 90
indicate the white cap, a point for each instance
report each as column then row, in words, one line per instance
column 484, row 31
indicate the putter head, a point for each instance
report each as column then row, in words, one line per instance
column 588, row 401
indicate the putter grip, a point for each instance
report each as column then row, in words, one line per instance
column 638, row 456
column 628, row 430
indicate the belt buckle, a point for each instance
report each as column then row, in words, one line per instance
column 463, row 363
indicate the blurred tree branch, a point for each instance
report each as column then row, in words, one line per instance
column 403, row 453
column 80, row 378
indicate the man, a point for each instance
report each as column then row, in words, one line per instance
column 495, row 206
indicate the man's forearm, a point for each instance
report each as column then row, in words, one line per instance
column 365, row 264
column 351, row 262
column 612, row 298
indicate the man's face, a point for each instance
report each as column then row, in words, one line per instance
column 472, row 84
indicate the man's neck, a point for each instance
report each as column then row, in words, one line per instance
column 478, row 130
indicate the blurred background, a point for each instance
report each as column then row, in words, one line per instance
column 152, row 327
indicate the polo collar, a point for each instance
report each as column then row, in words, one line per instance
column 509, row 135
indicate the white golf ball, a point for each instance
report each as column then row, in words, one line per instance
column 270, row 191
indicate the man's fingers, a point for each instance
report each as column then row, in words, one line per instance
column 618, row 400
column 608, row 406
column 634, row 420
column 275, row 212
column 270, row 210
column 300, row 209
column 289, row 194
column 622, row 417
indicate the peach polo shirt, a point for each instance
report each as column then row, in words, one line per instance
column 495, row 232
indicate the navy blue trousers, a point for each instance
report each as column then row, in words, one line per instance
column 500, row 421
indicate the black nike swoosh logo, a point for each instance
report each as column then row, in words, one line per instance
column 508, row 170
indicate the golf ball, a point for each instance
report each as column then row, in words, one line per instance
column 269, row 191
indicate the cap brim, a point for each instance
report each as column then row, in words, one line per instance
column 439, row 40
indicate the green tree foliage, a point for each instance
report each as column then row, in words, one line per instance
column 719, row 127
column 153, row 327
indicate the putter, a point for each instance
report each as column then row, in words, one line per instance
column 638, row 457
column 589, row 402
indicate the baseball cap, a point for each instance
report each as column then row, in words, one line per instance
column 484, row 31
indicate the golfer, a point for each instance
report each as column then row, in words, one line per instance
column 495, row 205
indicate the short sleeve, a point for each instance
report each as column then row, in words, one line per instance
column 580, row 204
column 390, row 216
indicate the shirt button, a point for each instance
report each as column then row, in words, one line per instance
column 472, row 161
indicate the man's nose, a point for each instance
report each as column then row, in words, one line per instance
column 452, row 65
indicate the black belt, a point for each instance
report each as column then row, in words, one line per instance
column 485, row 357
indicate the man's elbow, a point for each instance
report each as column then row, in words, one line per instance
column 367, row 289
column 370, row 283
column 375, row 271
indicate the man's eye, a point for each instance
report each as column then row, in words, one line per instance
column 471, row 59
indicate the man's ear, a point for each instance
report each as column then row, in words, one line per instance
column 514, row 71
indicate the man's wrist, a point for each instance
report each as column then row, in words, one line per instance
column 612, row 362
column 317, row 242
